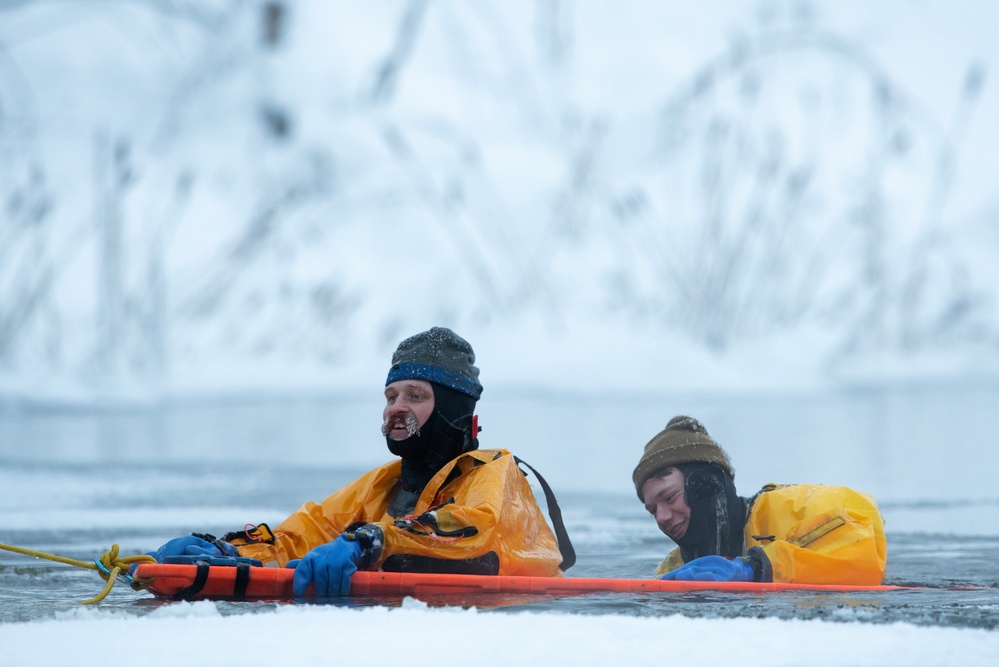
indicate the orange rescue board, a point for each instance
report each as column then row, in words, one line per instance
column 185, row 582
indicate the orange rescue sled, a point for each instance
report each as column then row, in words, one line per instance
column 246, row 582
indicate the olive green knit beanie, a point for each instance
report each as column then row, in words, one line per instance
column 684, row 440
column 438, row 355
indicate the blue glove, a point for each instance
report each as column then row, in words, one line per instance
column 712, row 568
column 188, row 546
column 328, row 568
column 191, row 545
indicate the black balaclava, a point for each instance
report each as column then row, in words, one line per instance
column 445, row 360
column 717, row 513
column 447, row 433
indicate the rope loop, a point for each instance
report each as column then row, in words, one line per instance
column 109, row 566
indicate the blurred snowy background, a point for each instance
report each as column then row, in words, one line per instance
column 240, row 196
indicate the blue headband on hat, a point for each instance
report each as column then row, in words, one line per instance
column 413, row 371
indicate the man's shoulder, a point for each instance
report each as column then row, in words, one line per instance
column 805, row 488
column 491, row 454
column 482, row 456
column 810, row 494
column 481, row 459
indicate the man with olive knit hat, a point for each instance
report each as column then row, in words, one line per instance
column 801, row 533
column 442, row 506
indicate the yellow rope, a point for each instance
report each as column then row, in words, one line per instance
column 109, row 566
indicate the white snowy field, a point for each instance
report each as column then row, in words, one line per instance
column 196, row 635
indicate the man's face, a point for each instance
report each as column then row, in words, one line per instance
column 408, row 405
column 664, row 499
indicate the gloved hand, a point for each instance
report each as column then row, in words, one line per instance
column 191, row 545
column 703, row 481
column 328, row 568
column 712, row 568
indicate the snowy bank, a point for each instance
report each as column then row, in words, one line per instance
column 193, row 634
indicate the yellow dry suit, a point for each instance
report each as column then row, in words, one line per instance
column 477, row 515
column 814, row 534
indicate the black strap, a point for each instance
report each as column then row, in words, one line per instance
column 242, row 581
column 239, row 587
column 486, row 564
column 199, row 582
column 564, row 545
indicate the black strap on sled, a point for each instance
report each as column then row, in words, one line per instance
column 204, row 563
column 199, row 582
column 564, row 545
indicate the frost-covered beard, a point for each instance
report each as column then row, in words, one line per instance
column 409, row 421
column 415, row 451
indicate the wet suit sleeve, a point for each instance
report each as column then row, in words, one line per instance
column 314, row 523
column 817, row 535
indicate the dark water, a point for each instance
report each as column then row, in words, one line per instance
column 74, row 483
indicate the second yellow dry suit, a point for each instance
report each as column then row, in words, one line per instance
column 815, row 534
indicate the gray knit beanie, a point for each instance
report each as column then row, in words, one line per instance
column 684, row 440
column 440, row 356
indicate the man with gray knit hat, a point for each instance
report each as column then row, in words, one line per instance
column 442, row 506
column 801, row 533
